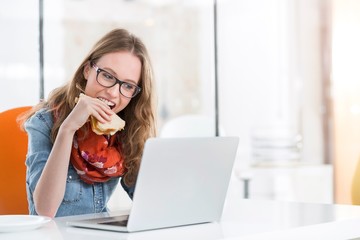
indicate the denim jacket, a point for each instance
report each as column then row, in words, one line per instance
column 80, row 197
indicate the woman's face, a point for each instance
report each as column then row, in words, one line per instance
column 122, row 65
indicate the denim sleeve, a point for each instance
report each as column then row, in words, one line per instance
column 129, row 190
column 38, row 129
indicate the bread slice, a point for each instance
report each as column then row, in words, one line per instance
column 116, row 124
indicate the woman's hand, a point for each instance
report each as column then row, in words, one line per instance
column 87, row 106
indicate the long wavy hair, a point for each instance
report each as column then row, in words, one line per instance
column 139, row 114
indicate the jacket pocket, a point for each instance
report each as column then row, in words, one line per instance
column 74, row 189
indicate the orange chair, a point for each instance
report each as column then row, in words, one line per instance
column 13, row 148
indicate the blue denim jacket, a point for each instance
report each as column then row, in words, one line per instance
column 80, row 197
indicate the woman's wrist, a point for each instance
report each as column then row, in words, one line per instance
column 66, row 129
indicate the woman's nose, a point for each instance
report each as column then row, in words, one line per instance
column 114, row 90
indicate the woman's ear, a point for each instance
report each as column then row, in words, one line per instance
column 86, row 70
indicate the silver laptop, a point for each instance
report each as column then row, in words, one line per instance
column 181, row 181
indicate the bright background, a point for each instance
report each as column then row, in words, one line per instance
column 287, row 75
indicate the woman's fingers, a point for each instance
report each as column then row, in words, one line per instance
column 95, row 107
column 85, row 107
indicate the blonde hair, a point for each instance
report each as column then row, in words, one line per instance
column 139, row 115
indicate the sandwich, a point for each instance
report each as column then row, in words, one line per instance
column 111, row 127
column 116, row 124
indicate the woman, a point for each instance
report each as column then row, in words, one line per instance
column 115, row 78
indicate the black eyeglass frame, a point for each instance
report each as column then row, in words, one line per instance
column 117, row 81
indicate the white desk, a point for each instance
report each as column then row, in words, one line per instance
column 242, row 219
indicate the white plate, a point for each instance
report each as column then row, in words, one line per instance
column 15, row 223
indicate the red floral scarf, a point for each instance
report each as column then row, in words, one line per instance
column 96, row 158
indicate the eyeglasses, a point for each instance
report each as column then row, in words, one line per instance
column 107, row 80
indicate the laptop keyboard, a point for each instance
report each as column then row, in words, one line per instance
column 116, row 223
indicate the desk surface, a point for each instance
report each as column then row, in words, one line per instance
column 242, row 219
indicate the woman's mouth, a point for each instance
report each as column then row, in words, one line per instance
column 109, row 103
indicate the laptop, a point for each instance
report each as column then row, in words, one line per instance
column 181, row 181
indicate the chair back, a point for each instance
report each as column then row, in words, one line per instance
column 13, row 148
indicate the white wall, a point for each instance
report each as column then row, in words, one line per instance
column 19, row 68
column 269, row 68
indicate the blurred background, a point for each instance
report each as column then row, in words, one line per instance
column 282, row 75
